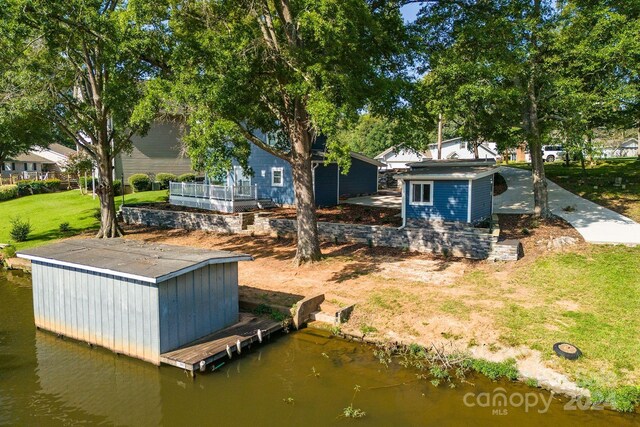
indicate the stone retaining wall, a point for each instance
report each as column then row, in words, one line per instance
column 185, row 220
column 444, row 239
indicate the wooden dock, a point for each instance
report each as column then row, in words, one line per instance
column 225, row 343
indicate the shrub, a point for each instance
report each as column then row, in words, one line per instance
column 8, row 192
column 140, row 182
column 117, row 187
column 38, row 187
column 165, row 178
column 9, row 252
column 85, row 182
column 24, row 188
column 187, row 177
column 64, row 227
column 20, row 229
column 52, row 184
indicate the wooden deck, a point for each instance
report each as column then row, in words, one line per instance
column 203, row 352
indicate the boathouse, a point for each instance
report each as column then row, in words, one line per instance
column 135, row 298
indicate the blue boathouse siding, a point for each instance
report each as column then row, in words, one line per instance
column 362, row 178
column 450, row 200
column 481, row 198
column 326, row 184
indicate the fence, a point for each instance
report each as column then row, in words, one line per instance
column 209, row 191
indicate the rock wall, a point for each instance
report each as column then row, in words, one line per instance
column 443, row 239
column 185, row 220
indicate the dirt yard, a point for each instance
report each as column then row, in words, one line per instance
column 400, row 295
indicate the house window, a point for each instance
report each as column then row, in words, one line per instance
column 277, row 177
column 421, row 193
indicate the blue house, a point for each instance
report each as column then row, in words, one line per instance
column 447, row 190
column 271, row 182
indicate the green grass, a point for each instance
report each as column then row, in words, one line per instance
column 47, row 211
column 601, row 175
column 590, row 299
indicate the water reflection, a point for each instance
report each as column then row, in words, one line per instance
column 305, row 378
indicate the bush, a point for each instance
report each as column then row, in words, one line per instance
column 8, row 192
column 85, row 183
column 52, row 184
column 165, row 178
column 117, row 187
column 9, row 252
column 187, row 177
column 24, row 188
column 140, row 182
column 20, row 229
column 64, row 227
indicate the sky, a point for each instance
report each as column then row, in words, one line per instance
column 410, row 11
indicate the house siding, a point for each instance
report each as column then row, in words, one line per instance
column 157, row 152
column 481, row 198
column 326, row 184
column 262, row 162
column 362, row 178
column 450, row 200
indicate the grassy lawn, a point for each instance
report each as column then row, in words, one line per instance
column 591, row 299
column 596, row 183
column 47, row 211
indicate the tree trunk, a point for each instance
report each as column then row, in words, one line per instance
column 308, row 247
column 476, row 152
column 109, row 227
column 540, row 195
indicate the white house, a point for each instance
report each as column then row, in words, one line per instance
column 458, row 148
column 627, row 148
column 57, row 154
column 394, row 158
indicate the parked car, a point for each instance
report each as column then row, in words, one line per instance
column 551, row 153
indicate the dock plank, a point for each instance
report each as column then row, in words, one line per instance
column 214, row 346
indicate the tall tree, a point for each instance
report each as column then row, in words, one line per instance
column 291, row 69
column 83, row 56
column 22, row 127
column 510, row 42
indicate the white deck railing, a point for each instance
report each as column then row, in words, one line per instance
column 208, row 191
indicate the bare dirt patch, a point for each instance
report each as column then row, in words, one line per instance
column 535, row 234
column 349, row 213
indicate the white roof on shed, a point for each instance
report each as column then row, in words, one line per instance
column 147, row 262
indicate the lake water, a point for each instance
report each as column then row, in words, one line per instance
column 305, row 378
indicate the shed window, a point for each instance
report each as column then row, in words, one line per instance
column 277, row 177
column 422, row 193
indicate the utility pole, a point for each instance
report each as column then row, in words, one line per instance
column 439, row 136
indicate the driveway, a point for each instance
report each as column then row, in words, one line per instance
column 387, row 199
column 595, row 223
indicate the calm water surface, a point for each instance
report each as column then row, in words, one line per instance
column 301, row 379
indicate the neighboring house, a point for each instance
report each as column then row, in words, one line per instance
column 27, row 166
column 628, row 148
column 158, row 151
column 58, row 154
column 272, row 183
column 447, row 190
column 38, row 163
column 394, row 158
column 458, row 148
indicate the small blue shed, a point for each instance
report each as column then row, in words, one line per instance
column 447, row 190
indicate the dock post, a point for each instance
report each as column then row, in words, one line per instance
column 203, row 365
column 229, row 352
column 260, row 335
column 238, row 346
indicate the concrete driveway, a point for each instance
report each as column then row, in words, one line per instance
column 595, row 223
column 387, row 199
